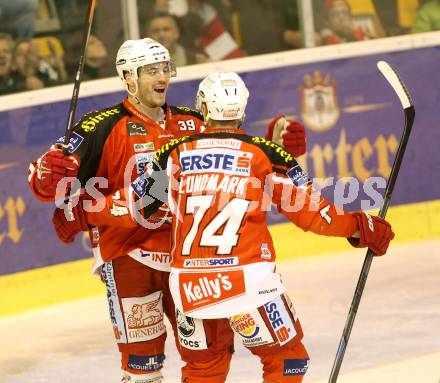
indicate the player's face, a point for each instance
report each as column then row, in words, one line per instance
column 153, row 84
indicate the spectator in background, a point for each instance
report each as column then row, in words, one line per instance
column 428, row 17
column 10, row 81
column 96, row 55
column 163, row 28
column 38, row 70
column 339, row 26
column 262, row 26
column 17, row 17
column 214, row 40
column 202, row 30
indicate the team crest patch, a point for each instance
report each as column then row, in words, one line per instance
column 319, row 102
column 74, row 142
column 298, row 176
column 136, row 129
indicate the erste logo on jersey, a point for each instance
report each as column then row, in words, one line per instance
column 203, row 289
column 74, row 142
column 280, row 320
column 224, row 161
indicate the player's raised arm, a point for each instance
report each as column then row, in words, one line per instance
column 295, row 197
column 128, row 207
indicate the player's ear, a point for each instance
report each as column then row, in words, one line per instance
column 204, row 110
column 129, row 79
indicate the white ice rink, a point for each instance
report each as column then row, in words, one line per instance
column 395, row 339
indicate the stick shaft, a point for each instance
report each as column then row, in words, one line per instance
column 409, row 112
column 78, row 77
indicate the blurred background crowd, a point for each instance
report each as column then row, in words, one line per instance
column 40, row 40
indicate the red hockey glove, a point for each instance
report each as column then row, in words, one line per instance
column 67, row 230
column 375, row 233
column 53, row 166
column 289, row 134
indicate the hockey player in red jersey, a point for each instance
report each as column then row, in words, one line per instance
column 133, row 264
column 223, row 260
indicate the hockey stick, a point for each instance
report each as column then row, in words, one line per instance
column 409, row 111
column 74, row 100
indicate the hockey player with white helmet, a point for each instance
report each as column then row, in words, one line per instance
column 133, row 263
column 225, row 97
column 223, row 257
column 135, row 57
column 109, row 143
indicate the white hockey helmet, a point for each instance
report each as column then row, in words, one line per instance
column 134, row 54
column 225, row 95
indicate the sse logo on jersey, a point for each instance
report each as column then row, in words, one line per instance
column 217, row 161
column 280, row 320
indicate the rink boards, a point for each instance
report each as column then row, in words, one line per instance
column 354, row 123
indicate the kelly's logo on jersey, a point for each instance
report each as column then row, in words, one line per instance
column 216, row 161
column 199, row 290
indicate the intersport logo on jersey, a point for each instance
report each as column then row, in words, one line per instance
column 203, row 289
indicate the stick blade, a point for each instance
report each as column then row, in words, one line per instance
column 399, row 87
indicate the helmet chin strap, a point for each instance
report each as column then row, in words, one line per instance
column 136, row 99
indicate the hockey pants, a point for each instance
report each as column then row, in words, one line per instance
column 271, row 332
